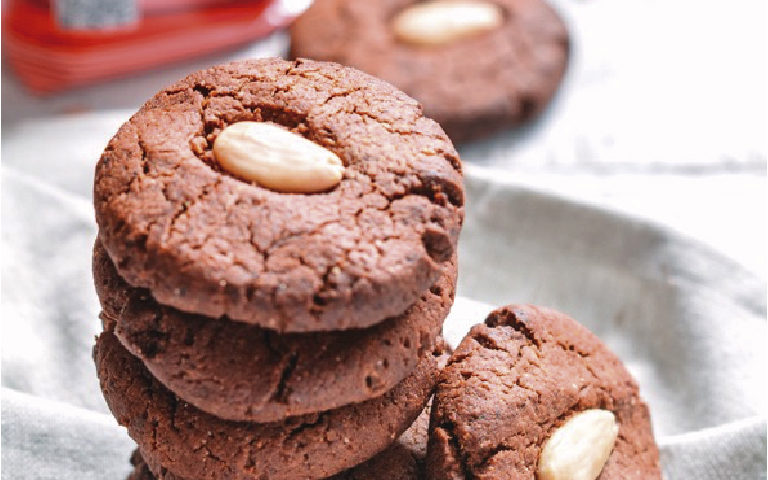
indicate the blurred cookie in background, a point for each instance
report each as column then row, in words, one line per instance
column 476, row 66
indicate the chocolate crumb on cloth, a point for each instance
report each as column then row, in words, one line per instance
column 238, row 371
column 498, row 69
column 206, row 242
column 191, row 443
column 516, row 380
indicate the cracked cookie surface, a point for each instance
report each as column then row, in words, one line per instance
column 193, row 444
column 206, row 242
column 516, row 378
column 471, row 86
column 245, row 372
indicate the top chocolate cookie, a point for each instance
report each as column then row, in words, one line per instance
column 475, row 65
column 212, row 240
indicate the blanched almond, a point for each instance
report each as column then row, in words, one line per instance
column 275, row 158
column 579, row 449
column 444, row 21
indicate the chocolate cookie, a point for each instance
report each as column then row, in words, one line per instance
column 471, row 83
column 518, row 378
column 243, row 372
column 204, row 241
column 197, row 445
column 403, row 460
column 394, row 463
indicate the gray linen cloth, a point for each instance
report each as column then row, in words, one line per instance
column 688, row 323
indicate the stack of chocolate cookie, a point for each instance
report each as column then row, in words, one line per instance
column 276, row 256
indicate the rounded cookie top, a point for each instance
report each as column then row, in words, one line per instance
column 471, row 85
column 515, row 380
column 244, row 372
column 205, row 241
column 171, row 432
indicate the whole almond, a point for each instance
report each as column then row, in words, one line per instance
column 579, row 449
column 445, row 21
column 275, row 158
